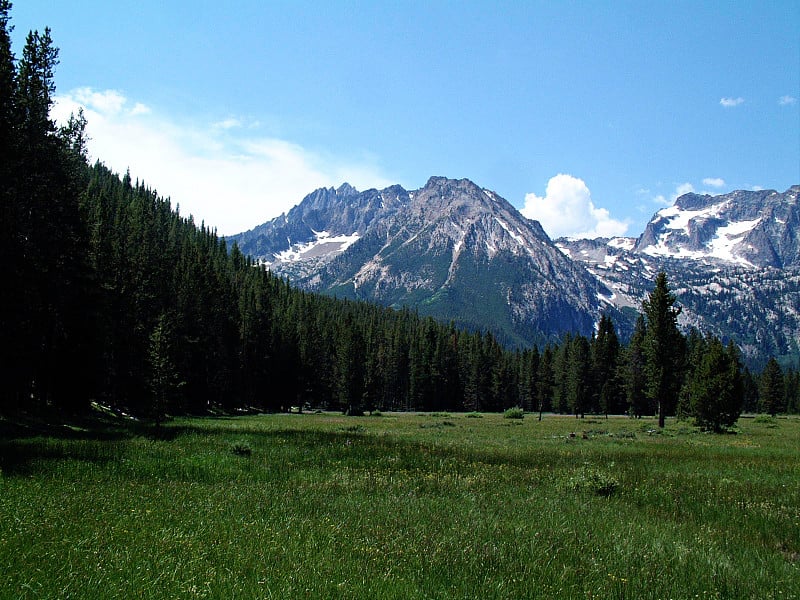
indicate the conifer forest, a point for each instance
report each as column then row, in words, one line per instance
column 111, row 295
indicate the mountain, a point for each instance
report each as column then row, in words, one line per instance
column 752, row 229
column 461, row 253
column 450, row 250
column 733, row 261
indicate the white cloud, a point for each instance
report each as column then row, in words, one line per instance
column 567, row 210
column 231, row 180
column 684, row 188
column 107, row 102
column 230, row 123
column 716, row 182
column 787, row 100
column 680, row 190
column 139, row 109
column 731, row 102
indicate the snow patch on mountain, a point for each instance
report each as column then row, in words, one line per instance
column 324, row 244
column 747, row 229
column 681, row 225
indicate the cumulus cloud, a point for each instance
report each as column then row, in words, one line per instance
column 731, row 102
column 220, row 172
column 567, row 210
column 680, row 190
column 229, row 123
column 716, row 182
column 787, row 100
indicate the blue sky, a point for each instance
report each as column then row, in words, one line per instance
column 587, row 115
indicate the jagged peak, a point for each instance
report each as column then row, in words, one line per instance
column 346, row 190
column 437, row 181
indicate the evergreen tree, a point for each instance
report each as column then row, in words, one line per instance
column 12, row 304
column 349, row 372
column 792, row 389
column 772, row 388
column 634, row 372
column 696, row 349
column 164, row 380
column 578, row 384
column 53, row 294
column 750, row 391
column 545, row 383
column 605, row 348
column 528, row 372
column 715, row 387
column 663, row 348
column 561, row 370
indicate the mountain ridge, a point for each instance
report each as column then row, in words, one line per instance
column 459, row 252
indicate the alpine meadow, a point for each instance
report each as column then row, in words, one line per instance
column 437, row 401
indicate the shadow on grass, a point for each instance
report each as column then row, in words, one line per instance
column 29, row 446
column 26, row 440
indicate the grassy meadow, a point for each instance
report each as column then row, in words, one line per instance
column 401, row 506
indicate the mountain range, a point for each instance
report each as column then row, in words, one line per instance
column 461, row 253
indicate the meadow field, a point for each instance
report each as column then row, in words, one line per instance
column 401, row 506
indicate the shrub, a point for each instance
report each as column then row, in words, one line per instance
column 241, row 448
column 353, row 429
column 437, row 425
column 514, row 413
column 593, row 480
column 474, row 415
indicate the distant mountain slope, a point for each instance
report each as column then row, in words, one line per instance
column 754, row 229
column 732, row 259
column 451, row 250
column 461, row 253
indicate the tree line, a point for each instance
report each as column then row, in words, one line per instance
column 110, row 294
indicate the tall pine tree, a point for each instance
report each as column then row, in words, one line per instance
column 663, row 348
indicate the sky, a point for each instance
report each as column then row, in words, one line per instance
column 588, row 116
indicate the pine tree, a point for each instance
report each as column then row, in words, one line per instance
column 528, row 373
column 349, row 369
column 545, row 383
column 696, row 349
column 715, row 388
column 663, row 348
column 54, row 287
column 561, row 366
column 164, row 380
column 605, row 350
column 12, row 304
column 634, row 371
column 792, row 389
column 578, row 385
column 772, row 388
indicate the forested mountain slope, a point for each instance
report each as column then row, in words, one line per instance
column 110, row 295
column 458, row 252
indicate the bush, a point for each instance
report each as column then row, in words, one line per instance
column 437, row 425
column 474, row 415
column 593, row 480
column 241, row 448
column 514, row 413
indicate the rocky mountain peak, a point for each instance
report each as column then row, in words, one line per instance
column 462, row 253
column 749, row 228
column 346, row 190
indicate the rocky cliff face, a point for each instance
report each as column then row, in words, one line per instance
column 451, row 250
column 732, row 260
column 461, row 253
column 752, row 229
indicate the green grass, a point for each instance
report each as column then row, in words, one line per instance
column 404, row 506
